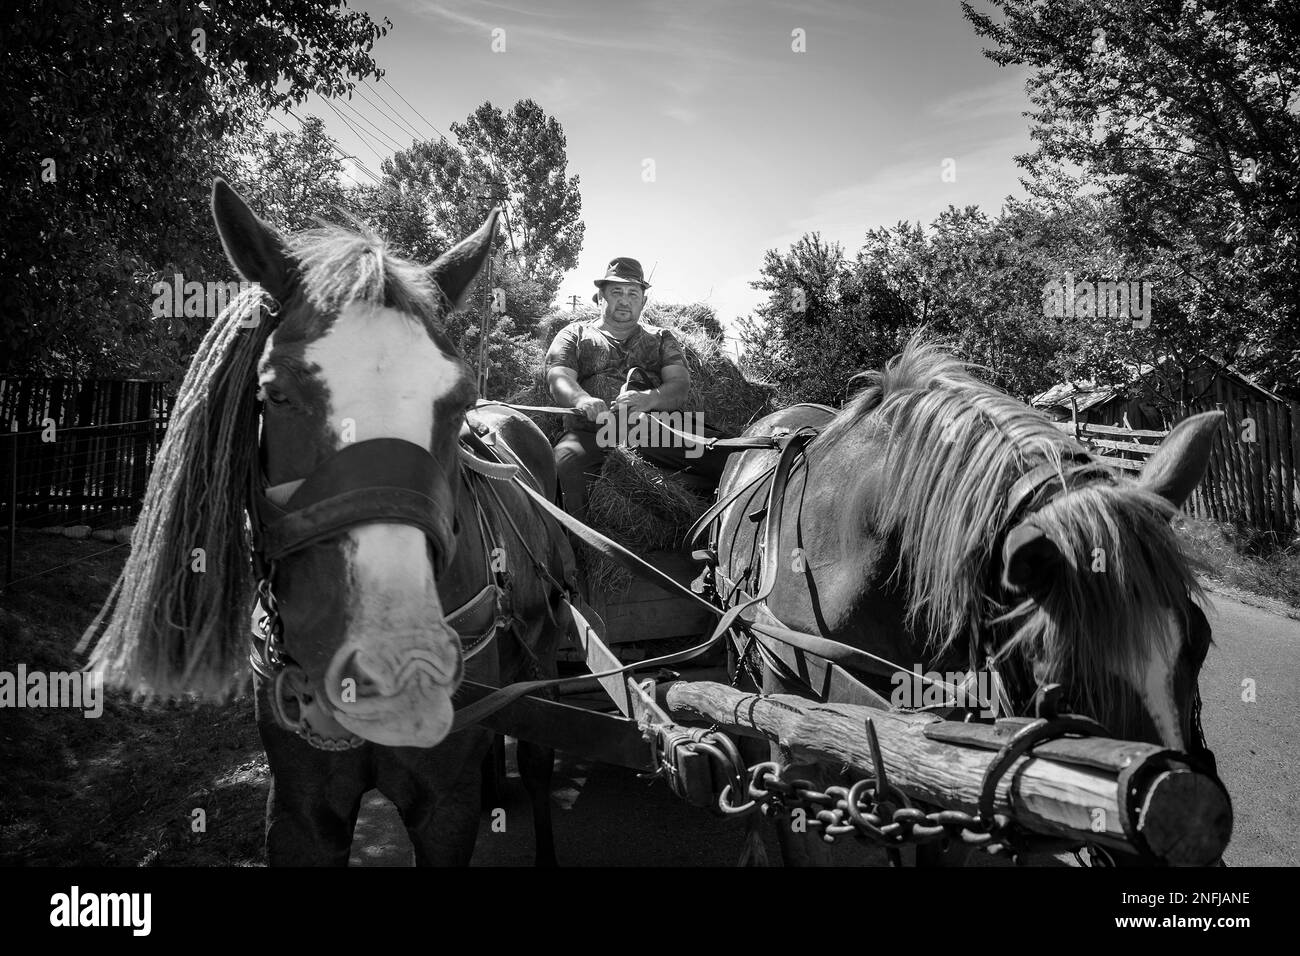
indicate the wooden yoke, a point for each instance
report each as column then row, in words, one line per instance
column 1067, row 788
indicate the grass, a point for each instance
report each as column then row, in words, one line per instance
column 1244, row 559
column 120, row 789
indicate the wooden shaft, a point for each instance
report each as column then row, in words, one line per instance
column 1185, row 817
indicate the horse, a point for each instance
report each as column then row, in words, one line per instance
column 328, row 401
column 942, row 525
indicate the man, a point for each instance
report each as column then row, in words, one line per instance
column 587, row 369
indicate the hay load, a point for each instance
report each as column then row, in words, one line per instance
column 632, row 501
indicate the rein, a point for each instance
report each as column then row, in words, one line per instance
column 791, row 445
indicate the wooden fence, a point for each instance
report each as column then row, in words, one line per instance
column 77, row 452
column 1253, row 476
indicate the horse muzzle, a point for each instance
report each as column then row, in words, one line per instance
column 396, row 690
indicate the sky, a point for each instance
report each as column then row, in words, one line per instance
column 753, row 144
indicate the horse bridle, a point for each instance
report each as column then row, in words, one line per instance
column 377, row 480
column 384, row 480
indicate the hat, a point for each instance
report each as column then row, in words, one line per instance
column 623, row 269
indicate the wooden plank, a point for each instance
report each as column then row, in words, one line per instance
column 1124, row 463
column 599, row 658
column 1275, row 454
column 1240, row 472
column 647, row 612
column 1117, row 430
column 1255, row 458
column 1187, row 818
column 1146, row 450
column 628, row 623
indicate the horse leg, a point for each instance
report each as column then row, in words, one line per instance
column 315, row 796
column 437, row 791
column 494, row 774
column 536, row 767
column 755, row 850
column 800, row 845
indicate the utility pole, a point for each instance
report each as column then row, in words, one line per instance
column 573, row 303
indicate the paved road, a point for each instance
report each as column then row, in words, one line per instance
column 1256, row 743
column 607, row 817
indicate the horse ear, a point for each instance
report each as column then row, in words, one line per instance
column 1030, row 561
column 1180, row 462
column 252, row 245
column 457, row 267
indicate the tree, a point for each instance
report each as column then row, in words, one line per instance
column 294, row 178
column 519, row 155
column 116, row 122
column 1183, row 114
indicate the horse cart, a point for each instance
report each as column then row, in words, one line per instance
column 934, row 526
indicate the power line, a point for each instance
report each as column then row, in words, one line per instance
column 361, row 136
column 388, row 140
column 384, row 80
column 360, row 165
column 397, row 120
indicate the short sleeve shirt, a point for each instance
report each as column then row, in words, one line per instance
column 602, row 361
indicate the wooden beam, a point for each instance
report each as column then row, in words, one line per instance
column 1118, row 430
column 1186, row 818
column 1122, row 445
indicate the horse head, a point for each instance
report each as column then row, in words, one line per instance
column 342, row 414
column 1055, row 559
column 998, row 538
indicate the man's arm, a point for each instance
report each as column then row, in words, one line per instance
column 667, row 397
column 563, row 383
column 671, row 395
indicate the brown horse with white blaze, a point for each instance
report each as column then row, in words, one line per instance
column 944, row 526
column 387, row 573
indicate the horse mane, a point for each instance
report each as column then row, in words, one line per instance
column 339, row 265
column 954, row 447
column 176, row 622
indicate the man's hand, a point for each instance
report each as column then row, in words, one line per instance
column 638, row 403
column 591, row 406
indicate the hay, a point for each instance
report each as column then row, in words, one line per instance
column 641, row 508
column 648, row 509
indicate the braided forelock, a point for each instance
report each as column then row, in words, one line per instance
column 170, row 629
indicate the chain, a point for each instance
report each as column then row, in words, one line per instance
column 271, row 627
column 883, row 816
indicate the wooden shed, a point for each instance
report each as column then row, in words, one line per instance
column 1252, row 478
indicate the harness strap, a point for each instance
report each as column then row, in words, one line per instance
column 1050, row 478
column 378, row 480
column 704, row 521
column 826, row 648
column 295, row 530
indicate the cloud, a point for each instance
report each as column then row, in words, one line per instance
column 1005, row 98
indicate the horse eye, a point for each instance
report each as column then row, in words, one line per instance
column 269, row 393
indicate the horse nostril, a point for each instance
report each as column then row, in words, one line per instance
column 362, row 677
